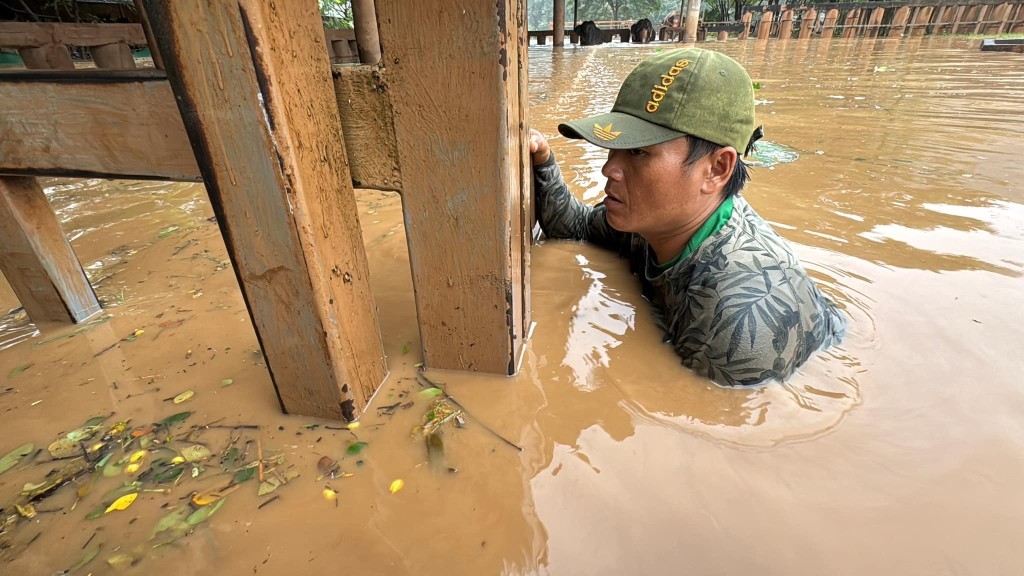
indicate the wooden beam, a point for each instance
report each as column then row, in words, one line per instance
column 261, row 115
column 29, row 34
column 367, row 119
column 558, row 24
column 102, row 124
column 125, row 124
column 462, row 146
column 37, row 259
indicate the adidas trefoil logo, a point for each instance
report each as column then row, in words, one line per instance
column 605, row 132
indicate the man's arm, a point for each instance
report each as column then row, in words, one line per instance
column 561, row 214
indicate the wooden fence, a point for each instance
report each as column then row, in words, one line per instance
column 883, row 19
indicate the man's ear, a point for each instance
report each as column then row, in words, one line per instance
column 719, row 169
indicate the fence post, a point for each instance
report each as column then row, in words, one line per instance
column 764, row 29
column 849, row 23
column 899, row 21
column 786, row 25
column 828, row 30
column 875, row 22
column 807, row 23
column 745, row 33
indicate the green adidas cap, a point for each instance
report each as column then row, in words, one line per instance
column 692, row 91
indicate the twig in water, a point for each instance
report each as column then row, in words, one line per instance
column 467, row 413
column 89, row 540
column 268, row 501
column 259, row 458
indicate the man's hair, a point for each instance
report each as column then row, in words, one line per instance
column 700, row 148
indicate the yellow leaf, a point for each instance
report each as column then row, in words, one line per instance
column 139, row 332
column 177, row 460
column 122, row 502
column 183, row 396
column 207, row 498
column 138, row 455
column 330, row 494
column 28, row 511
column 353, row 425
column 132, row 468
column 397, row 485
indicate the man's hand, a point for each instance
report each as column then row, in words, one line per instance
column 539, row 149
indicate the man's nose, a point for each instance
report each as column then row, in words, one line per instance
column 612, row 167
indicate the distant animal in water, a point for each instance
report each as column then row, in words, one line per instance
column 672, row 21
column 642, row 32
column 589, row 34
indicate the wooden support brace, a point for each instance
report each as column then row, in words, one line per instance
column 37, row 259
column 764, row 29
column 828, row 29
column 462, row 140
column 899, row 21
column 746, row 19
column 786, row 25
column 50, row 57
column 113, row 57
column 260, row 112
column 876, row 21
column 850, row 23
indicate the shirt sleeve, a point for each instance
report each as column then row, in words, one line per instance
column 562, row 215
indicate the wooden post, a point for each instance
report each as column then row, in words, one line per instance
column 259, row 108
column 982, row 14
column 37, row 258
column 899, row 21
column 764, row 28
column 850, row 23
column 692, row 19
column 464, row 222
column 140, row 9
column 807, row 22
column 364, row 17
column 958, row 18
column 876, row 21
column 747, row 17
column 113, row 56
column 1001, row 18
column 921, row 19
column 786, row 25
column 558, row 27
column 723, row 35
column 830, row 23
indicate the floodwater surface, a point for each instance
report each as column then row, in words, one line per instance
column 892, row 166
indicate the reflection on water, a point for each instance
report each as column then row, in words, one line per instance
column 893, row 172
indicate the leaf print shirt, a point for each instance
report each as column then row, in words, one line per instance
column 739, row 310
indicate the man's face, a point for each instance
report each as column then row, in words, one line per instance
column 650, row 191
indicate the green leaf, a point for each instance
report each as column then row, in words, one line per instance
column 196, row 453
column 175, row 419
column 89, row 555
column 94, row 421
column 431, row 392
column 405, row 349
column 757, row 85
column 14, row 456
column 227, row 382
column 174, row 522
column 205, row 512
column 96, row 513
column 20, row 369
column 167, row 231
column 245, row 475
column 356, row 448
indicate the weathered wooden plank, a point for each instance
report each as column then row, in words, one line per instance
column 37, row 259
column 113, row 57
column 29, row 34
column 272, row 158
column 368, row 121
column 125, row 125
column 461, row 145
column 106, row 124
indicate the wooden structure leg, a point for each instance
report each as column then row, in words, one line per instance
column 260, row 113
column 558, row 26
column 37, row 259
column 460, row 124
column 808, row 22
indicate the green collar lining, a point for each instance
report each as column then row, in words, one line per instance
column 711, row 226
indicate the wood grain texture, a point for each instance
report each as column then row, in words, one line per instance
column 37, row 259
column 103, row 125
column 29, row 34
column 267, row 155
column 369, row 125
column 460, row 139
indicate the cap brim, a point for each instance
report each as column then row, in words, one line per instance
column 617, row 131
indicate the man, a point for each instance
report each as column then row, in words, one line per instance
column 735, row 302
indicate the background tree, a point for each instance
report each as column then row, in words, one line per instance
column 336, row 13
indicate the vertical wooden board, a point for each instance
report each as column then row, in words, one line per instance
column 808, row 22
column 368, row 122
column 263, row 212
column 557, row 24
column 36, row 258
column 452, row 105
column 294, row 73
column 527, row 216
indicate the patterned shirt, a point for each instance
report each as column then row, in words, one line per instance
column 739, row 310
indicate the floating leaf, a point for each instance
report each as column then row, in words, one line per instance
column 431, row 392
column 121, row 561
column 276, row 481
column 65, row 448
column 175, row 419
column 122, row 503
column 405, row 349
column 204, row 513
column 84, row 489
column 167, row 232
column 227, row 382
column 353, row 425
column 137, row 455
column 211, row 496
column 397, row 485
column 96, row 513
column 356, row 448
column 245, row 475
column 113, row 468
column 175, row 522
column 132, row 468
column 19, row 369
column 11, row 459
column 89, row 555
column 186, row 395
column 26, row 510
column 756, row 85
column 196, row 453
column 435, row 450
column 331, row 495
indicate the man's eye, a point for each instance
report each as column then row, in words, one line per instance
column 637, row 152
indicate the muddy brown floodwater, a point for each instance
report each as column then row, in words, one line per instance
column 899, row 452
